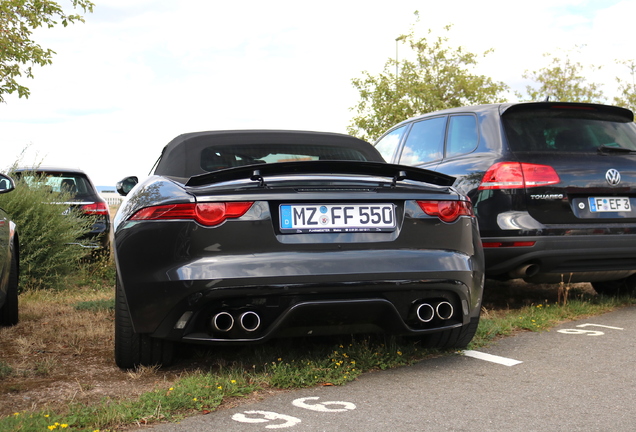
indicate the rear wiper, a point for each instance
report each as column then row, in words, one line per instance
column 604, row 148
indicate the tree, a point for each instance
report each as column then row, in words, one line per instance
column 18, row 52
column 440, row 77
column 562, row 81
column 627, row 90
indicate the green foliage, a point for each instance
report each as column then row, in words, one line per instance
column 627, row 97
column 340, row 364
column 440, row 77
column 46, row 235
column 5, row 370
column 562, row 80
column 95, row 273
column 541, row 317
column 18, row 53
column 96, row 305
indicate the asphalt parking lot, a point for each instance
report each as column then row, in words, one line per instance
column 579, row 376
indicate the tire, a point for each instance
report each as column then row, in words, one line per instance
column 136, row 349
column 454, row 338
column 625, row 286
column 9, row 312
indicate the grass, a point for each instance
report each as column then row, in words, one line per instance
column 542, row 316
column 107, row 304
column 229, row 373
column 72, row 320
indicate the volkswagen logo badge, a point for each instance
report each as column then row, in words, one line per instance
column 613, row 177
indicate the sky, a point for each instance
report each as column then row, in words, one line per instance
column 138, row 73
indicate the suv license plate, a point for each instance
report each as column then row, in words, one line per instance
column 609, row 204
column 325, row 218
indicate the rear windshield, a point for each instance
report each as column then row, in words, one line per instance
column 76, row 184
column 567, row 130
column 219, row 157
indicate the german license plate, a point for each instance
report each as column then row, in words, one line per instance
column 609, row 204
column 321, row 218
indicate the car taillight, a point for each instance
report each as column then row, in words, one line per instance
column 98, row 208
column 207, row 214
column 516, row 175
column 447, row 211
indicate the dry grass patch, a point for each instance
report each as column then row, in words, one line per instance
column 50, row 323
column 62, row 350
column 53, row 342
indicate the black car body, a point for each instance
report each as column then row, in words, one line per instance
column 553, row 184
column 84, row 197
column 9, row 261
column 232, row 241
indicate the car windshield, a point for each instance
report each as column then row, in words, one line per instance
column 219, row 157
column 75, row 184
column 567, row 130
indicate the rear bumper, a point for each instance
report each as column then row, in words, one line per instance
column 177, row 276
column 588, row 258
column 100, row 236
column 306, row 293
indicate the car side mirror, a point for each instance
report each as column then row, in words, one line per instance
column 125, row 186
column 6, row 184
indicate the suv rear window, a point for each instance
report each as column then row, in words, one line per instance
column 75, row 184
column 567, row 130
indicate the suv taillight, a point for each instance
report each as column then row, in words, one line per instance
column 207, row 214
column 447, row 211
column 98, row 208
column 516, row 175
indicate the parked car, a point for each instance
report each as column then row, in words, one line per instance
column 243, row 236
column 9, row 261
column 84, row 197
column 553, row 185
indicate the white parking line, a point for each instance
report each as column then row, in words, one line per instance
column 491, row 358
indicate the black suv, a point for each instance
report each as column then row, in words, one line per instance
column 553, row 185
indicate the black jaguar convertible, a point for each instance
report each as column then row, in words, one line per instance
column 242, row 236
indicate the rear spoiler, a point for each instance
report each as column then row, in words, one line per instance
column 260, row 172
column 612, row 112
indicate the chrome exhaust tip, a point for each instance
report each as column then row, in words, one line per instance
column 425, row 312
column 250, row 321
column 444, row 310
column 222, row 322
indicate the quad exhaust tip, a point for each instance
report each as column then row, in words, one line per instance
column 444, row 310
column 224, row 321
column 250, row 321
column 426, row 312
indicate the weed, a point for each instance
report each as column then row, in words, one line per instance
column 142, row 371
column 96, row 305
column 84, row 387
column 541, row 316
column 43, row 367
column 5, row 370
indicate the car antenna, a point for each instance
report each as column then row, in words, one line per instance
column 256, row 176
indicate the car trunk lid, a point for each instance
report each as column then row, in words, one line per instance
column 592, row 151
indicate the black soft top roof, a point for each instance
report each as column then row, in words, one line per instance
column 181, row 156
